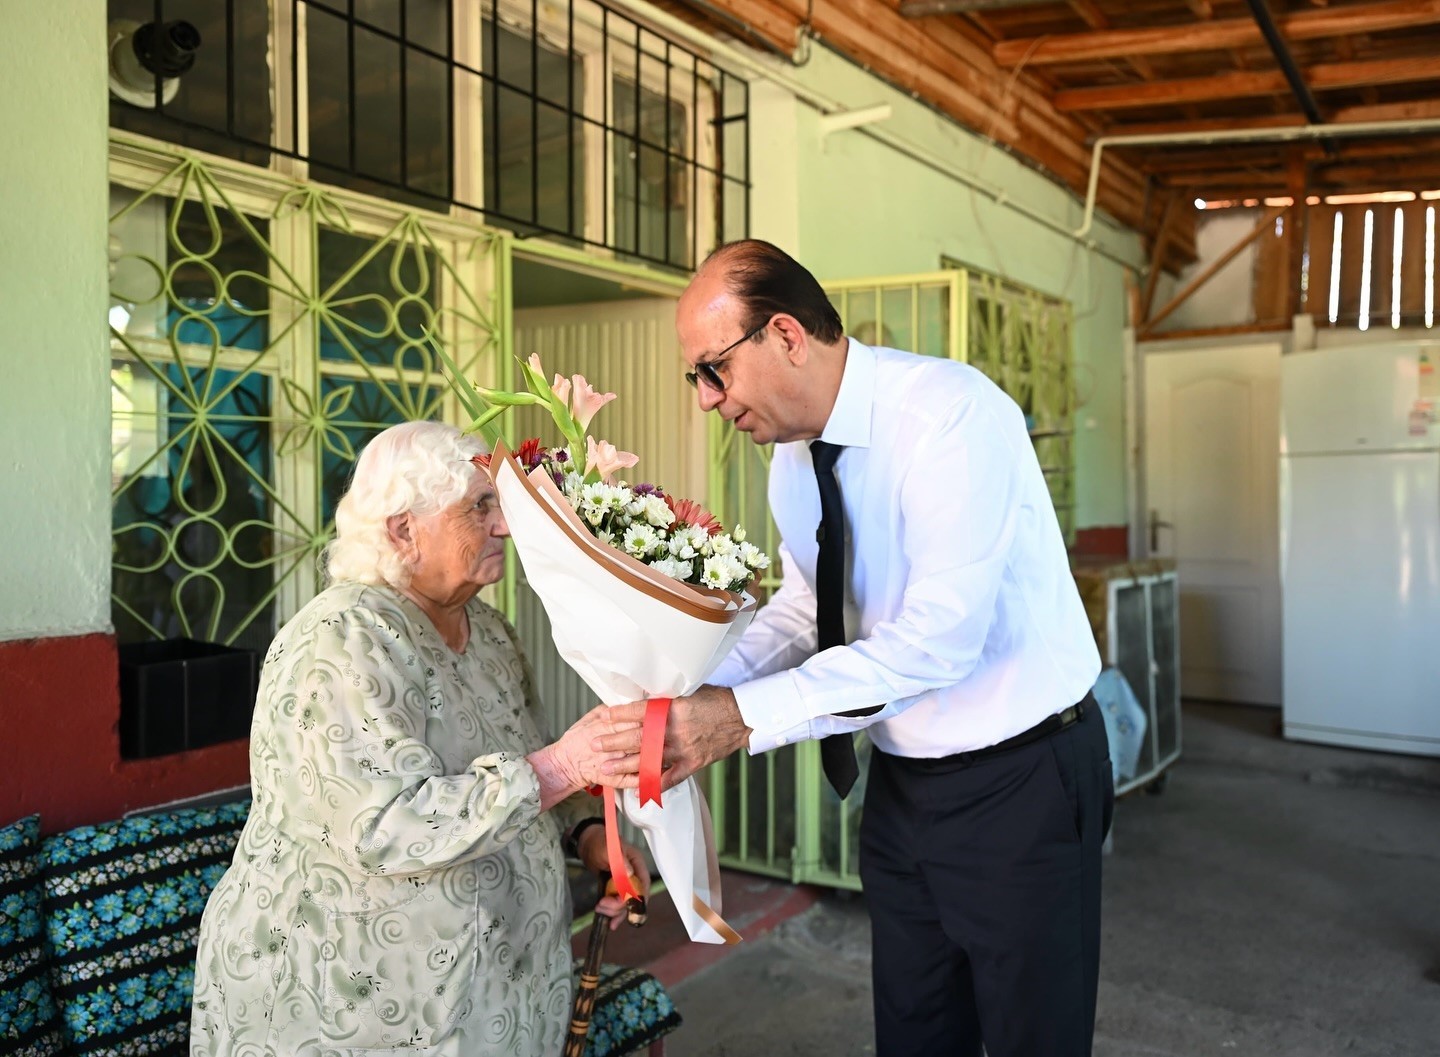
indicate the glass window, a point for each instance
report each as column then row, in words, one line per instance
column 652, row 181
column 534, row 138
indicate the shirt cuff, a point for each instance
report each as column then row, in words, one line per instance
column 771, row 708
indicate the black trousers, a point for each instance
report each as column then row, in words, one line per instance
column 983, row 885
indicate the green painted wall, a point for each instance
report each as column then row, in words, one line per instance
column 55, row 397
column 851, row 206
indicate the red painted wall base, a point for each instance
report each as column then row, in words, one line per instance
column 60, row 746
column 1102, row 541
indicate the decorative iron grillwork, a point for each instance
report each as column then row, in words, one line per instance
column 565, row 119
column 259, row 338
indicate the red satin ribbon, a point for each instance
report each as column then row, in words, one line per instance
column 652, row 748
column 619, row 868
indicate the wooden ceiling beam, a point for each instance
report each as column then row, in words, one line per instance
column 1093, row 17
column 1218, row 35
column 1245, row 84
column 921, row 8
column 1267, row 223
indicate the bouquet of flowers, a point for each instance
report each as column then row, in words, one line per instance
column 677, row 537
column 645, row 593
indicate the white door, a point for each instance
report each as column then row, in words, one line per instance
column 1212, row 439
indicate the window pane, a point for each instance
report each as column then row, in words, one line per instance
column 394, row 139
column 534, row 149
column 191, row 459
column 379, row 301
column 192, row 514
column 652, row 186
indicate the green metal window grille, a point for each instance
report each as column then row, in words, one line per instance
column 1022, row 339
column 262, row 331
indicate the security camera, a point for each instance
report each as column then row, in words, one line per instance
column 141, row 53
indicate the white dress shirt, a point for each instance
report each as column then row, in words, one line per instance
column 961, row 614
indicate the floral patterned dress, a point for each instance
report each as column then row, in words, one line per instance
column 396, row 885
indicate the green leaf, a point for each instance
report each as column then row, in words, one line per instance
column 462, row 389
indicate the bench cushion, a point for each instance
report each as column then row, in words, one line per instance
column 29, row 1022
column 632, row 1010
column 122, row 904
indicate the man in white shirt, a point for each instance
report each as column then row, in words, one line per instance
column 964, row 654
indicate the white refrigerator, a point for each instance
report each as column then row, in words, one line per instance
column 1360, row 546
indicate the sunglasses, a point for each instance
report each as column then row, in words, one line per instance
column 707, row 369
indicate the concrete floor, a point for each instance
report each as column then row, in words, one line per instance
column 1277, row 899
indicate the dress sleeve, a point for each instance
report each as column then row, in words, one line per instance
column 579, row 805
column 363, row 771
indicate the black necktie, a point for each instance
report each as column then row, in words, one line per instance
column 837, row 751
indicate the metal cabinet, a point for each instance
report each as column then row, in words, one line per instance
column 1133, row 610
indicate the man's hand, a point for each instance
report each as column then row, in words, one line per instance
column 571, row 763
column 702, row 728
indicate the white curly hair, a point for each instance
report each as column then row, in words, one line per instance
column 415, row 467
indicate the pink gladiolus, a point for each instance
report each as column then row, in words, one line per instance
column 586, row 401
column 561, row 388
column 602, row 456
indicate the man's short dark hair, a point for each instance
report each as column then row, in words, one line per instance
column 766, row 280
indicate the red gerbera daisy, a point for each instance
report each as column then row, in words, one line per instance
column 689, row 512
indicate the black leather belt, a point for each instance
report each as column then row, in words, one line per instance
column 1052, row 724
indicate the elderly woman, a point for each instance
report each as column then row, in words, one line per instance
column 400, row 882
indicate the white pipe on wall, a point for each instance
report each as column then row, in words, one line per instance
column 1288, row 134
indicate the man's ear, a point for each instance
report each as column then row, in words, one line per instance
column 795, row 340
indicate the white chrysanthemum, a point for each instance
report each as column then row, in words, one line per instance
column 721, row 571
column 738, row 535
column 684, row 570
column 592, row 512
column 753, row 556
column 722, row 544
column 606, row 536
column 657, row 512
column 574, row 484
column 686, row 541
column 666, row 566
column 640, row 540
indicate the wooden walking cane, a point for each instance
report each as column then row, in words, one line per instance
column 590, row 970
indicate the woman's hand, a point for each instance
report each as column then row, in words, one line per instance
column 572, row 763
column 592, row 853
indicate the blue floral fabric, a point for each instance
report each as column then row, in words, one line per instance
column 123, row 903
column 632, row 1010
column 29, row 1026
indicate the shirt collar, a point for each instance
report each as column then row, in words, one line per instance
column 849, row 421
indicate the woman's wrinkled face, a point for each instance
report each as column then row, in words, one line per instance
column 460, row 548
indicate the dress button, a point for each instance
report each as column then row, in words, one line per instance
column 780, row 740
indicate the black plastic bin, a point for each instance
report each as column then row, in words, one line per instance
column 182, row 694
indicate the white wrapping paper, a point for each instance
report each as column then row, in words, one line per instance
column 631, row 633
